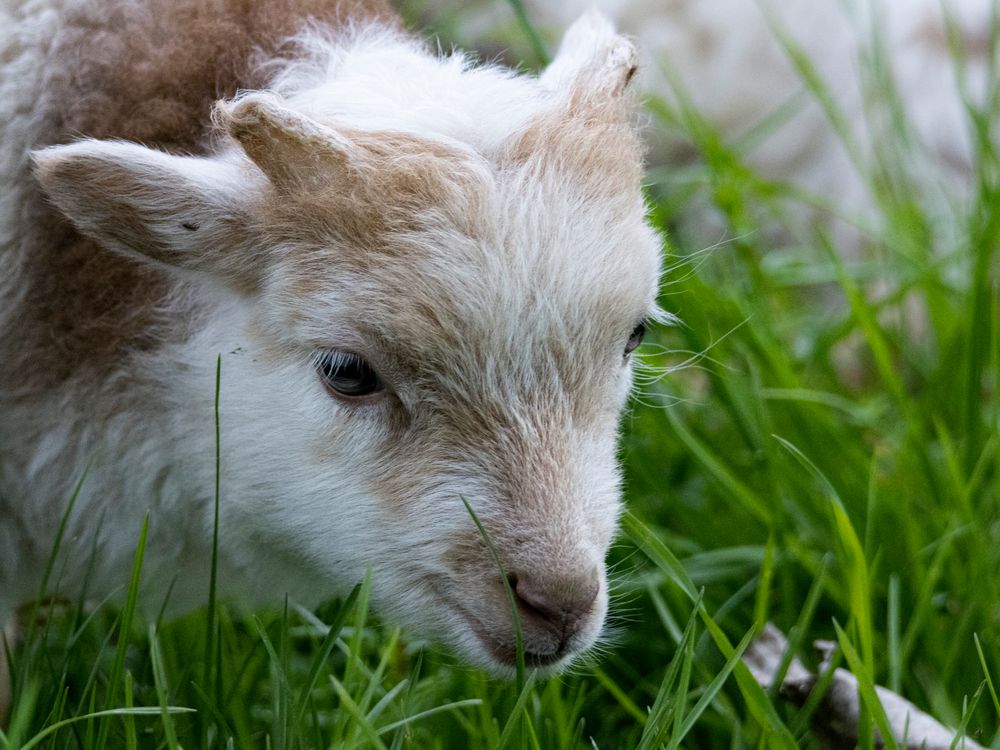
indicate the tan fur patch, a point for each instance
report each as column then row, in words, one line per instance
column 393, row 182
column 147, row 73
column 590, row 138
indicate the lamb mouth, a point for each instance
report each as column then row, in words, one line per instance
column 506, row 653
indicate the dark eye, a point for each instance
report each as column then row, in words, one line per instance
column 348, row 375
column 635, row 339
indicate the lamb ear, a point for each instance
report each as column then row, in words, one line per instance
column 589, row 129
column 292, row 149
column 182, row 211
column 593, row 57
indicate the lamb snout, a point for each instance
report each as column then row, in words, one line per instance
column 560, row 615
column 556, row 603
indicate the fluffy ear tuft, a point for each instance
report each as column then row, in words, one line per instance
column 289, row 147
column 181, row 211
column 589, row 130
column 594, row 57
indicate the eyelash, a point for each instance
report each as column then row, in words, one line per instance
column 347, row 375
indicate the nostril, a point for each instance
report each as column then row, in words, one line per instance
column 562, row 602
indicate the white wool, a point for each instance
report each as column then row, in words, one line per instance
column 372, row 78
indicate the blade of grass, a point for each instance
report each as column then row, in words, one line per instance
column 661, row 715
column 968, row 711
column 131, row 740
column 517, row 714
column 762, row 598
column 348, row 703
column 855, row 563
column 619, row 695
column 23, row 711
column 797, row 633
column 283, row 688
column 756, row 699
column 818, row 693
column 892, row 635
column 54, row 554
column 986, row 674
column 530, row 33
column 160, row 681
column 386, row 700
column 377, row 678
column 511, row 602
column 444, row 708
column 749, row 499
column 208, row 675
column 272, row 653
column 324, row 652
column 866, row 687
column 711, row 691
column 210, row 706
column 140, row 711
column 125, row 619
column 681, row 696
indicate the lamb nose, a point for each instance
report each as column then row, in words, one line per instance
column 562, row 602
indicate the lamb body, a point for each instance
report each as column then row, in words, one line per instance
column 358, row 212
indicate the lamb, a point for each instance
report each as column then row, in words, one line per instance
column 425, row 279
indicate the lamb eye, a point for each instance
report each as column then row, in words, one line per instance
column 635, row 339
column 348, row 375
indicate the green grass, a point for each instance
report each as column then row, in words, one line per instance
column 767, row 481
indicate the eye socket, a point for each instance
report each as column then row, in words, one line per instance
column 347, row 375
column 635, row 339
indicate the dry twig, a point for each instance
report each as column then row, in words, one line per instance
column 836, row 720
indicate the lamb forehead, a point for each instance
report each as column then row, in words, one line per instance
column 540, row 267
column 440, row 240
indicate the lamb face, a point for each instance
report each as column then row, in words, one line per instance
column 498, row 325
column 425, row 318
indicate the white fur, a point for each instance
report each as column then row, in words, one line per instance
column 356, row 81
column 536, row 306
